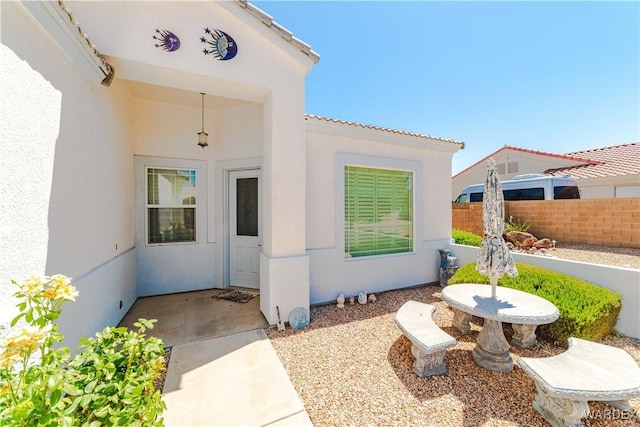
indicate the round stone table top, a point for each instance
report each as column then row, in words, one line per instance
column 509, row 306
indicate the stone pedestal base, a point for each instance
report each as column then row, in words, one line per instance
column 461, row 321
column 524, row 335
column 428, row 364
column 492, row 350
column 560, row 412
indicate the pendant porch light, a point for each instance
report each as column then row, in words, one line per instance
column 202, row 135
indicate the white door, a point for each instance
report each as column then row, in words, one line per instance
column 244, row 228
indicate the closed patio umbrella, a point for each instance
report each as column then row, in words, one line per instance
column 494, row 258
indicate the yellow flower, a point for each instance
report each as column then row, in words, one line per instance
column 4, row 389
column 60, row 288
column 34, row 284
column 24, row 340
column 8, row 359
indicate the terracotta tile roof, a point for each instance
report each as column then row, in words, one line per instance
column 616, row 160
column 526, row 150
column 383, row 129
column 286, row 35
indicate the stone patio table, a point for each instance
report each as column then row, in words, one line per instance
column 525, row 311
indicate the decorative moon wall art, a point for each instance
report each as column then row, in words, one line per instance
column 168, row 41
column 219, row 44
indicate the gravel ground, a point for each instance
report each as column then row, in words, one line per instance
column 619, row 257
column 353, row 367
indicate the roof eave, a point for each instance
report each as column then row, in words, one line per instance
column 281, row 31
column 369, row 130
column 59, row 22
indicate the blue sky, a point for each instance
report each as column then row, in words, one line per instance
column 549, row 76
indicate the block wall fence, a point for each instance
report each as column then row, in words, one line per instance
column 604, row 222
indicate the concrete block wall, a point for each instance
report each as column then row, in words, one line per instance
column 605, row 222
column 467, row 217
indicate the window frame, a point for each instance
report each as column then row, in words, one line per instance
column 148, row 206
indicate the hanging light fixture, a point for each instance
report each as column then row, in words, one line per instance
column 202, row 135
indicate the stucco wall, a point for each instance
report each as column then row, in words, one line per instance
column 604, row 222
column 66, row 177
column 331, row 272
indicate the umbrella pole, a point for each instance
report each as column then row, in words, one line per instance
column 494, row 285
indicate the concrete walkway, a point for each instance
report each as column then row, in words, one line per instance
column 236, row 380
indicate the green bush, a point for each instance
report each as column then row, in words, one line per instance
column 466, row 238
column 110, row 382
column 586, row 311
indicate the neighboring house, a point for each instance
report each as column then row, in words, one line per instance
column 105, row 182
column 607, row 172
column 614, row 172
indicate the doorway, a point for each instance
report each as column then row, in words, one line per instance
column 245, row 226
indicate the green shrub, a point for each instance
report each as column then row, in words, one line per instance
column 109, row 382
column 466, row 238
column 586, row 311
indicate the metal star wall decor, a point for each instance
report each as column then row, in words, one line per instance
column 168, row 41
column 219, row 45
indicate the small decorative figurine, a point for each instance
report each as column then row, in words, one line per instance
column 168, row 41
column 352, row 300
column 219, row 44
column 372, row 298
column 340, row 301
column 362, row 297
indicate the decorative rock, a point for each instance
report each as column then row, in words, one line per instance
column 352, row 300
column 521, row 239
column 362, row 297
column 340, row 301
column 543, row 244
column 372, row 298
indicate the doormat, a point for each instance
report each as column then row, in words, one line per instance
column 238, row 296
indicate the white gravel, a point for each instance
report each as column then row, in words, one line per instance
column 353, row 367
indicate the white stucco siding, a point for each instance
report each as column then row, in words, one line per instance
column 30, row 109
column 165, row 136
column 327, row 153
column 123, row 31
column 284, row 159
column 66, row 177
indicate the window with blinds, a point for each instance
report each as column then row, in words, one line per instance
column 378, row 211
column 171, row 205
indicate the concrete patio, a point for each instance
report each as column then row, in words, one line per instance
column 223, row 370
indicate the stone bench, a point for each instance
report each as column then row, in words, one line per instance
column 586, row 371
column 429, row 342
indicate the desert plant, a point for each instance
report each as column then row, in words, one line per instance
column 109, row 382
column 586, row 310
column 515, row 224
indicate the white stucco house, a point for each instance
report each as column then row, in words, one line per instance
column 605, row 172
column 102, row 178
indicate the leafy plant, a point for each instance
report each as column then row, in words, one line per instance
column 586, row 310
column 515, row 224
column 466, row 238
column 109, row 382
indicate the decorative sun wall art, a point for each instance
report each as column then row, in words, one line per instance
column 168, row 41
column 219, row 44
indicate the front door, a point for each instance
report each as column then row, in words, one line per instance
column 244, row 228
